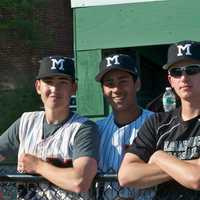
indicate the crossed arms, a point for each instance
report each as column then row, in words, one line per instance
column 161, row 167
column 76, row 179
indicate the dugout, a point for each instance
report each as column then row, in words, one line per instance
column 146, row 27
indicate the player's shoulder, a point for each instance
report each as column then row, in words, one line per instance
column 106, row 120
column 146, row 112
column 77, row 118
column 90, row 123
column 87, row 128
column 32, row 115
column 84, row 121
column 161, row 118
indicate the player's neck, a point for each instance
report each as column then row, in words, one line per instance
column 56, row 116
column 126, row 117
column 190, row 110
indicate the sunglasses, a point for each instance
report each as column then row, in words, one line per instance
column 188, row 70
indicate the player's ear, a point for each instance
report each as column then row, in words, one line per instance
column 37, row 86
column 74, row 87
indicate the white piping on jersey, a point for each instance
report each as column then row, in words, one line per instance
column 163, row 125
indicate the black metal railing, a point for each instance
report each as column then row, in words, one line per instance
column 24, row 186
column 105, row 186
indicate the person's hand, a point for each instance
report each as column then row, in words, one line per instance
column 28, row 163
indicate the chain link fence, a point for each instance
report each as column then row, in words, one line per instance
column 105, row 187
column 25, row 187
column 30, row 187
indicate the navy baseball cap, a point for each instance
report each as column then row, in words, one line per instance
column 183, row 50
column 56, row 66
column 117, row 62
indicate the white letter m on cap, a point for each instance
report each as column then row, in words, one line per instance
column 185, row 49
column 113, row 59
column 57, row 64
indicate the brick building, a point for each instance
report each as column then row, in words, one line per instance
column 19, row 61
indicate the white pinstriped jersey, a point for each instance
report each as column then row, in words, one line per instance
column 113, row 141
column 59, row 145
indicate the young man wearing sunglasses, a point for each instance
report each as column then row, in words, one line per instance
column 167, row 150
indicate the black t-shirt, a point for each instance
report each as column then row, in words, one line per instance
column 168, row 132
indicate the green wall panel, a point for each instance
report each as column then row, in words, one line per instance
column 139, row 24
column 89, row 97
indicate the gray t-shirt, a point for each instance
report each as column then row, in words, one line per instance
column 86, row 141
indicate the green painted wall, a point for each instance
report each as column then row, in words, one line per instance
column 136, row 24
column 89, row 97
column 127, row 25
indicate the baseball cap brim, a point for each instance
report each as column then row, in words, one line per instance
column 168, row 65
column 43, row 76
column 103, row 73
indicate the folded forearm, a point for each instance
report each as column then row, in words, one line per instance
column 65, row 178
column 143, row 175
column 184, row 172
column 153, row 176
column 76, row 179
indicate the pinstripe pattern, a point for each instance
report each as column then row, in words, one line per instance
column 113, row 141
column 55, row 146
column 59, row 145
